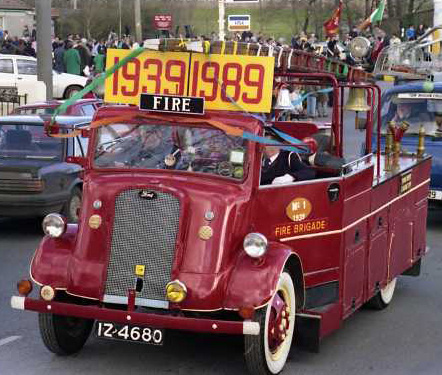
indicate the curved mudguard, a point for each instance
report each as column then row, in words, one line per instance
column 252, row 282
column 50, row 262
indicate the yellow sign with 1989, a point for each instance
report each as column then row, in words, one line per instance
column 226, row 82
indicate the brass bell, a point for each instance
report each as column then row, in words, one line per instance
column 357, row 101
column 283, row 101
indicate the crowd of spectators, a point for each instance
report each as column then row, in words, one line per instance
column 78, row 55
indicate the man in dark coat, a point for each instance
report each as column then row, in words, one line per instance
column 59, row 58
column 281, row 166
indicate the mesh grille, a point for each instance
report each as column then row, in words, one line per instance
column 144, row 233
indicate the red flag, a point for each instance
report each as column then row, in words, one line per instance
column 331, row 26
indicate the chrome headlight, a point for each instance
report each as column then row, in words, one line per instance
column 54, row 225
column 255, row 245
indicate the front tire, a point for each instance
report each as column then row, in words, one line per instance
column 64, row 335
column 267, row 352
column 382, row 299
column 72, row 207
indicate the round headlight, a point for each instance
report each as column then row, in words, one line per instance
column 255, row 245
column 54, row 225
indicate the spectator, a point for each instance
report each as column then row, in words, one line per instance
column 410, row 33
column 354, row 32
column 26, row 32
column 7, row 48
column 71, row 59
column 59, row 65
column 421, row 30
column 99, row 60
column 85, row 56
column 29, row 50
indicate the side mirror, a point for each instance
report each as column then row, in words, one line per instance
column 80, row 160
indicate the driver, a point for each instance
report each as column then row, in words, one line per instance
column 282, row 167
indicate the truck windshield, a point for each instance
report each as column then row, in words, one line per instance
column 28, row 142
column 415, row 110
column 158, row 146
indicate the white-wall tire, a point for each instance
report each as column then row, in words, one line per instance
column 267, row 352
column 383, row 297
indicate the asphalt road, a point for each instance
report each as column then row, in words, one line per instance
column 403, row 339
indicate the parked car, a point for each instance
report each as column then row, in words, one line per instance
column 419, row 104
column 37, row 175
column 82, row 107
column 16, row 68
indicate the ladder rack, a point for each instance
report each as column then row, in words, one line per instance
column 287, row 60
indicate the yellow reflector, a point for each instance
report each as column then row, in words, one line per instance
column 176, row 291
column 95, row 221
column 24, row 287
column 205, row 232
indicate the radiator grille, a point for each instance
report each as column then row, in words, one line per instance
column 21, row 186
column 144, row 233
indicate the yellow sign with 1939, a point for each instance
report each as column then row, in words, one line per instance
column 226, row 82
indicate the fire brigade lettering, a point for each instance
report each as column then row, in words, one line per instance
column 298, row 209
column 284, row 230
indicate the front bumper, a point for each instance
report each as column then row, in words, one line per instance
column 136, row 318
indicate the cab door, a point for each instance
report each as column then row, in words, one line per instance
column 306, row 216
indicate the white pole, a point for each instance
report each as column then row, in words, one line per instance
column 138, row 28
column 221, row 12
column 44, row 45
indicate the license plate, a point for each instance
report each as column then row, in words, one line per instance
column 145, row 335
column 434, row 194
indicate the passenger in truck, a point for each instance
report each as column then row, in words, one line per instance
column 283, row 167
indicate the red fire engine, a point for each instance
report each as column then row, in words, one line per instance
column 176, row 231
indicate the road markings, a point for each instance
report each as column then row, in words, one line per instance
column 9, row 339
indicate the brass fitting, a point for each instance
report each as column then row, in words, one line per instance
column 389, row 141
column 421, row 142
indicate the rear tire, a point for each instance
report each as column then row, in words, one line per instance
column 382, row 299
column 64, row 335
column 71, row 90
column 267, row 352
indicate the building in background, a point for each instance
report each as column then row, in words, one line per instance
column 16, row 14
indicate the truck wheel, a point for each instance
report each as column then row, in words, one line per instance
column 383, row 298
column 64, row 335
column 267, row 352
column 72, row 207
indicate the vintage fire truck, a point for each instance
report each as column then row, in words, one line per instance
column 177, row 232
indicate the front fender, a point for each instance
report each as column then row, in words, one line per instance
column 252, row 283
column 49, row 265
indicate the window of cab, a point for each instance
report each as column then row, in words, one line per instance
column 187, row 148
